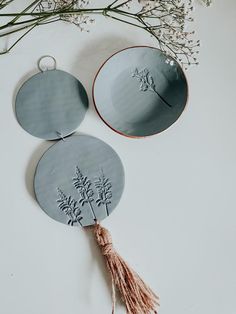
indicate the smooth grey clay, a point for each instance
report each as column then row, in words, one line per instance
column 79, row 180
column 139, row 91
column 51, row 104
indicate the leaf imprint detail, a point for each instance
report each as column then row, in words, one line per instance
column 147, row 82
column 104, row 189
column 83, row 185
column 70, row 207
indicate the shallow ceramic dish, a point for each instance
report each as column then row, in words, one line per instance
column 139, row 91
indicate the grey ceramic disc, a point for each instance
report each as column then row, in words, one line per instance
column 51, row 104
column 79, row 178
column 140, row 91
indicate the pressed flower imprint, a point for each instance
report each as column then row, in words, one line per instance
column 70, row 207
column 74, row 208
column 103, row 186
column 83, row 185
column 147, row 83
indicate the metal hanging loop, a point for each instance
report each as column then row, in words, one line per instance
column 43, row 69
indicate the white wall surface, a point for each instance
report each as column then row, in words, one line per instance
column 183, row 179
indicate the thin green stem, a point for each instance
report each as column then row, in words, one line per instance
column 124, row 21
column 74, row 11
column 19, row 23
column 121, row 4
column 16, row 42
column 3, row 3
column 125, row 13
column 49, row 21
column 25, row 10
column 20, row 29
column 114, row 2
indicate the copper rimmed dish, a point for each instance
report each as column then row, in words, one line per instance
column 139, row 91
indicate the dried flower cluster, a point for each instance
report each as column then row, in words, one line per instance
column 165, row 20
column 207, row 2
column 80, row 20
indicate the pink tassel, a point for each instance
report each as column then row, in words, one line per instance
column 136, row 295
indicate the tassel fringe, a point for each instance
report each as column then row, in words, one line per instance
column 136, row 295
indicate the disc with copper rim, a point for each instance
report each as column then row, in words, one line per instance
column 139, row 91
column 79, row 180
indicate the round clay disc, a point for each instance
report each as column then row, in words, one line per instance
column 51, row 104
column 78, row 180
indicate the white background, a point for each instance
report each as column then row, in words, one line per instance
column 182, row 179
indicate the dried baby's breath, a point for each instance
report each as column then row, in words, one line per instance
column 165, row 20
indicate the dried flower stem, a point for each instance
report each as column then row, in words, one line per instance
column 163, row 20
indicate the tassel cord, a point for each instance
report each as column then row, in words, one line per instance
column 136, row 295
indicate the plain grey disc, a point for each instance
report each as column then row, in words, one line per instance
column 140, row 91
column 51, row 104
column 79, row 179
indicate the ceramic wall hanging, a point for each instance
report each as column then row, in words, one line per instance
column 80, row 179
column 139, row 91
column 51, row 104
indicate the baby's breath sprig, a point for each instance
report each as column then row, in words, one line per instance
column 164, row 20
column 207, row 2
